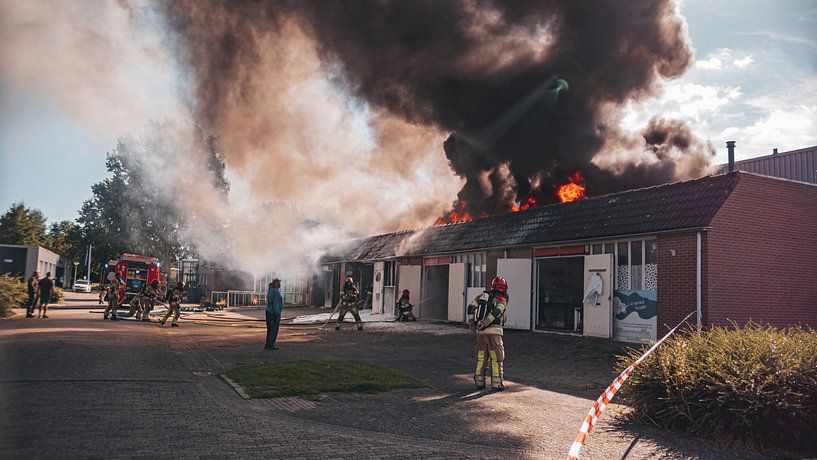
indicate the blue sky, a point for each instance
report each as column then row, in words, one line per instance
column 754, row 81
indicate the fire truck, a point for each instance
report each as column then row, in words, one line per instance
column 137, row 272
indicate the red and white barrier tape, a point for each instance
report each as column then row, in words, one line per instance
column 601, row 404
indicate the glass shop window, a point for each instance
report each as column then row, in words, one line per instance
column 636, row 265
column 596, row 249
column 623, row 267
column 388, row 273
column 651, row 265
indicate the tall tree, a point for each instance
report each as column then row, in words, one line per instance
column 131, row 211
column 65, row 238
column 22, row 225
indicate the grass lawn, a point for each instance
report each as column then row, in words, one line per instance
column 309, row 378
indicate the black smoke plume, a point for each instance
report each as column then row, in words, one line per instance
column 529, row 90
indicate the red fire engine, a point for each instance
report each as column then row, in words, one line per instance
column 137, row 272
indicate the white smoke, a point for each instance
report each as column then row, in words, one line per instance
column 308, row 164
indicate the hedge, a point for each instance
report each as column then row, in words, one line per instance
column 751, row 384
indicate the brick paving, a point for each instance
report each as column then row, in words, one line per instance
column 74, row 386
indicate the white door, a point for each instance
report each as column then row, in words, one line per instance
column 410, row 279
column 377, row 289
column 456, row 292
column 517, row 272
column 598, row 315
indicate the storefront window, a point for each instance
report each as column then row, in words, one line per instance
column 623, row 267
column 596, row 248
column 388, row 273
column 475, row 266
column 651, row 265
column 636, row 265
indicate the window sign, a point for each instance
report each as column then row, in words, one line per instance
column 635, row 315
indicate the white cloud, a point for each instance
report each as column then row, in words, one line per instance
column 788, row 129
column 724, row 59
column 744, row 62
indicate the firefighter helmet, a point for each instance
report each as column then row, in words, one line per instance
column 499, row 284
column 180, row 285
column 350, row 280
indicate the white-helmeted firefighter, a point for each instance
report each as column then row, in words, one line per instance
column 114, row 284
column 486, row 315
column 349, row 303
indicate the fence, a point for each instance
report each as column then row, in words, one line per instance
column 226, row 299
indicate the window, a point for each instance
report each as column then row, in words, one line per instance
column 388, row 273
column 475, row 268
column 623, row 267
column 636, row 265
column 596, row 248
column 651, row 265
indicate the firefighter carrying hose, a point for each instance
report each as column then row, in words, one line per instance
column 486, row 315
column 174, row 304
column 149, row 299
column 405, row 307
column 348, row 303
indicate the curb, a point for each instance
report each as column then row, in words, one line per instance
column 238, row 389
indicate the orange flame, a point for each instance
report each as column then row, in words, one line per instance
column 458, row 214
column 572, row 190
column 527, row 204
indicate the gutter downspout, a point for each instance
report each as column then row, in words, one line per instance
column 698, row 282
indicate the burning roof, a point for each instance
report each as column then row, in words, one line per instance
column 681, row 205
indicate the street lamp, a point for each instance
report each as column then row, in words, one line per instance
column 75, row 272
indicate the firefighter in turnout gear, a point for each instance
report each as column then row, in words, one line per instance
column 114, row 284
column 149, row 299
column 174, row 306
column 486, row 315
column 136, row 305
column 405, row 308
column 348, row 303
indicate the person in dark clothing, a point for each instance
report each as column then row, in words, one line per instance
column 275, row 306
column 46, row 291
column 33, row 294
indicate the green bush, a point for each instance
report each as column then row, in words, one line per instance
column 58, row 295
column 755, row 385
column 13, row 293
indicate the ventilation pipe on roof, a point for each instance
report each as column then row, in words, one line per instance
column 730, row 146
column 774, row 151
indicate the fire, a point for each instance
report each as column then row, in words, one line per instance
column 527, row 204
column 458, row 214
column 572, row 190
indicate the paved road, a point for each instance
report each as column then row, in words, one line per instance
column 74, row 386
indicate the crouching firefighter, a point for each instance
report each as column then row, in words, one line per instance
column 486, row 315
column 405, row 307
column 348, row 303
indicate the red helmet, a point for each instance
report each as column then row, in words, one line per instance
column 180, row 285
column 499, row 284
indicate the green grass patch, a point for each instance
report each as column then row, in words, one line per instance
column 309, row 378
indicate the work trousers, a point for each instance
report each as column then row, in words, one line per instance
column 147, row 307
column 348, row 308
column 33, row 298
column 490, row 347
column 273, row 323
column 113, row 304
column 173, row 308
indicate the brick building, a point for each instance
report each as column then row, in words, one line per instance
column 731, row 247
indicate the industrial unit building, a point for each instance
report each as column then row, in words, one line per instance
column 22, row 261
column 731, row 247
column 799, row 165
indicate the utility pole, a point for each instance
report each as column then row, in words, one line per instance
column 90, row 247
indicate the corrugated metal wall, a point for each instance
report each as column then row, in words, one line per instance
column 800, row 165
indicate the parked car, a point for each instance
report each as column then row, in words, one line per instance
column 82, row 286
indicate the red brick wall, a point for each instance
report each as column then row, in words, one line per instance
column 676, row 279
column 762, row 254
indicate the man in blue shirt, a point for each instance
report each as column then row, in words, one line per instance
column 275, row 305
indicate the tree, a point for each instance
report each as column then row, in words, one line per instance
column 132, row 211
column 22, row 225
column 65, row 238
